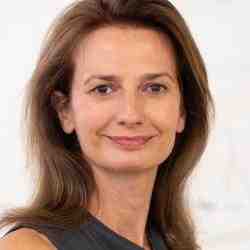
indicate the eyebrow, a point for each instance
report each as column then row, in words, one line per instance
column 147, row 76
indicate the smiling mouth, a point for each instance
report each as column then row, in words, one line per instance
column 130, row 144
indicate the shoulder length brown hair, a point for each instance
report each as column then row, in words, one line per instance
column 64, row 181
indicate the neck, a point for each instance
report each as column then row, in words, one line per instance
column 123, row 202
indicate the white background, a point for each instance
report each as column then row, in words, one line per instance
column 220, row 187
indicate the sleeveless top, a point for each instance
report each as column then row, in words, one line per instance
column 92, row 235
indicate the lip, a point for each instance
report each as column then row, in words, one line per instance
column 131, row 143
column 130, row 138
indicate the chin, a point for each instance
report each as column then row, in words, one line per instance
column 127, row 166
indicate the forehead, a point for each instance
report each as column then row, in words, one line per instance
column 127, row 48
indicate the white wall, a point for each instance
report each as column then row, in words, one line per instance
column 221, row 186
column 220, row 189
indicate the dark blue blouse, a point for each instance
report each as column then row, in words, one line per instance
column 93, row 235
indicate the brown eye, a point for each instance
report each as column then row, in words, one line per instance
column 157, row 88
column 102, row 89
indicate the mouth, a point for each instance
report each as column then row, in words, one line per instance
column 131, row 143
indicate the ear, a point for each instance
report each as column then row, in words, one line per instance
column 61, row 104
column 181, row 121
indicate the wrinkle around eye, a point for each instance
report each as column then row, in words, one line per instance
column 162, row 86
column 100, row 87
column 148, row 86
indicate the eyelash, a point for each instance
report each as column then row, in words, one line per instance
column 106, row 85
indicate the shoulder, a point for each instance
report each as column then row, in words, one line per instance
column 25, row 239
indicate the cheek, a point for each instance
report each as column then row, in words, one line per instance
column 86, row 126
column 90, row 120
column 166, row 117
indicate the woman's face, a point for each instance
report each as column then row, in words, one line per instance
column 125, row 101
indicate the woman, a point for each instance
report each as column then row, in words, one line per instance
column 112, row 165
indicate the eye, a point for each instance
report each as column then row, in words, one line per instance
column 102, row 89
column 105, row 89
column 157, row 88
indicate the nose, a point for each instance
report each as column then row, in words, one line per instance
column 131, row 112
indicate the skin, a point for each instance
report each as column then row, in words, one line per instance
column 126, row 106
column 25, row 239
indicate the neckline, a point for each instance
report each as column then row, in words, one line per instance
column 101, row 227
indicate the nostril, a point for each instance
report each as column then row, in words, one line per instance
column 130, row 123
